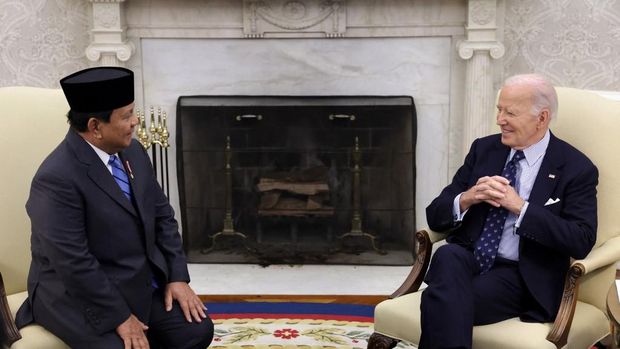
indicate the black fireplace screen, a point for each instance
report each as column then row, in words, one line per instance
column 284, row 179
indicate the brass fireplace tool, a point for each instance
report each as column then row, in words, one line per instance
column 228, row 229
column 356, row 221
column 156, row 136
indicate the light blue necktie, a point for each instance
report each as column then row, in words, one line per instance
column 485, row 249
column 120, row 176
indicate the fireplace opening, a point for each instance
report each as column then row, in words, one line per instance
column 297, row 179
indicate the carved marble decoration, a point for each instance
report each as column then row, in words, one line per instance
column 573, row 43
column 106, row 15
column 262, row 18
column 109, row 45
column 481, row 45
column 482, row 12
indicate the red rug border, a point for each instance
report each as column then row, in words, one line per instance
column 291, row 316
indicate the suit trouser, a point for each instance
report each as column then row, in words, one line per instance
column 459, row 297
column 167, row 330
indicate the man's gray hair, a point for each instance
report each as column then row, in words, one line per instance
column 544, row 92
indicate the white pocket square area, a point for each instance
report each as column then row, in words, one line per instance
column 552, row 201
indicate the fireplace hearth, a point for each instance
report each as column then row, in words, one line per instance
column 297, row 179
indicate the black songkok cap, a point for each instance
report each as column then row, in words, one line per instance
column 98, row 89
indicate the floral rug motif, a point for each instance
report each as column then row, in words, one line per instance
column 292, row 325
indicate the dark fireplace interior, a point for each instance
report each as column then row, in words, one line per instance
column 297, row 179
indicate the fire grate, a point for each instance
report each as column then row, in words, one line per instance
column 287, row 179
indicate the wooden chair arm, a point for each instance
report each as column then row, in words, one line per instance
column 8, row 331
column 563, row 320
column 424, row 247
column 602, row 256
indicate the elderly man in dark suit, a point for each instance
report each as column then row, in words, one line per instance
column 522, row 204
column 108, row 270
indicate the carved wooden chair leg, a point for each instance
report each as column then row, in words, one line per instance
column 379, row 341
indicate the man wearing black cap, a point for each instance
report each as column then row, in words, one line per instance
column 107, row 270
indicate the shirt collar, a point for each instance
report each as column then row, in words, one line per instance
column 535, row 152
column 105, row 157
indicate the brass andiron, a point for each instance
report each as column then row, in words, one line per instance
column 356, row 221
column 228, row 229
column 156, row 136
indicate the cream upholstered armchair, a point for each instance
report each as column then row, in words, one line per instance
column 32, row 121
column 592, row 124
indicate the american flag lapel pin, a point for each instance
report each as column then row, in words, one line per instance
column 551, row 175
column 129, row 168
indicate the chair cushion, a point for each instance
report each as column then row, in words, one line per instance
column 399, row 318
column 33, row 336
column 15, row 301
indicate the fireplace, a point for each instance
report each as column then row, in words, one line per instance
column 297, row 179
column 431, row 50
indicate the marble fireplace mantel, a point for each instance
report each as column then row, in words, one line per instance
column 147, row 35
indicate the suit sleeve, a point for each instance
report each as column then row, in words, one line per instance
column 439, row 214
column 56, row 210
column 573, row 229
column 169, row 240
column 167, row 237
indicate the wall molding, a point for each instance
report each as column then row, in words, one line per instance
column 109, row 45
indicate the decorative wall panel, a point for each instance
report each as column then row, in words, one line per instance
column 574, row 43
column 309, row 16
column 42, row 40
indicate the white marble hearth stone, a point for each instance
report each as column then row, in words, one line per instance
column 417, row 67
column 251, row 279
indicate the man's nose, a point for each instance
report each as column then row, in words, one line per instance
column 500, row 119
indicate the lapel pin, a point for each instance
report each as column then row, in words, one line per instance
column 129, row 168
column 551, row 175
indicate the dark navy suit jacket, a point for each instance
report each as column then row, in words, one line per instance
column 549, row 234
column 94, row 253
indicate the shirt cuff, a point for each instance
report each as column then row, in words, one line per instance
column 520, row 218
column 457, row 215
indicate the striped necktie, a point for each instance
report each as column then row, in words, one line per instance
column 118, row 172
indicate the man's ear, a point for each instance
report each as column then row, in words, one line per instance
column 93, row 127
column 544, row 117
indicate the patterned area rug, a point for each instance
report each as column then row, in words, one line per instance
column 271, row 325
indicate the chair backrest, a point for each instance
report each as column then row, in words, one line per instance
column 33, row 122
column 591, row 123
